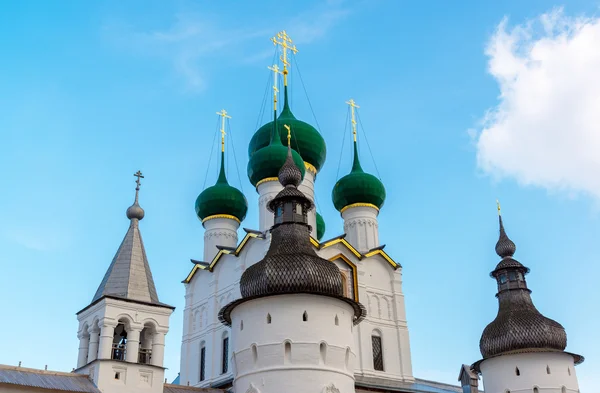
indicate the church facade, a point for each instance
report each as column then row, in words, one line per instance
column 281, row 309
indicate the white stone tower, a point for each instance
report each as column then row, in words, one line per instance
column 122, row 331
column 292, row 329
column 523, row 351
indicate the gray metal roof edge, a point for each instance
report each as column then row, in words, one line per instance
column 125, row 300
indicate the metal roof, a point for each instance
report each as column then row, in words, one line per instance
column 68, row 382
column 168, row 388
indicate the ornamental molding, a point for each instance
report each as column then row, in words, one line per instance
column 217, row 234
column 362, row 222
column 331, row 389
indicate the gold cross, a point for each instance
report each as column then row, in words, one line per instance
column 352, row 107
column 286, row 44
column 289, row 136
column 276, row 71
column 498, row 205
column 224, row 115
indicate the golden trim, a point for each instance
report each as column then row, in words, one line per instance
column 229, row 216
column 266, row 179
column 359, row 205
column 384, row 255
column 315, row 242
column 354, row 272
column 310, row 167
column 345, row 243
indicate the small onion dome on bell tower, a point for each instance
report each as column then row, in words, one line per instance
column 305, row 138
column 320, row 226
column 519, row 326
column 357, row 187
column 135, row 210
column 222, row 200
column 291, row 265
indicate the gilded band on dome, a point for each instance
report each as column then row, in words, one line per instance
column 229, row 216
column 359, row 205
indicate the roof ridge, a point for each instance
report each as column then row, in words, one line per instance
column 40, row 371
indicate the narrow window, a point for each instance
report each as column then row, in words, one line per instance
column 323, row 351
column 117, row 375
column 347, row 360
column 563, row 390
column 225, row 363
column 547, row 369
column 517, row 371
column 377, row 353
column 242, row 325
column 288, row 352
column 305, row 316
column 337, row 321
column 254, row 354
column 268, row 318
column 202, row 362
column 536, row 390
column 569, row 370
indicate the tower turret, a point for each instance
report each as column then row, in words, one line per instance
column 122, row 331
column 293, row 325
column 358, row 196
column 522, row 349
column 221, row 207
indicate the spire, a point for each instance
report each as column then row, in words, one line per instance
column 129, row 276
column 222, row 179
column 504, row 247
column 289, row 174
column 356, row 162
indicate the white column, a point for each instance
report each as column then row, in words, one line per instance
column 361, row 227
column 84, row 344
column 308, row 188
column 158, row 349
column 133, row 345
column 106, row 340
column 93, row 348
column 266, row 191
column 219, row 232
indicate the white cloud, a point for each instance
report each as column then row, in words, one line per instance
column 545, row 130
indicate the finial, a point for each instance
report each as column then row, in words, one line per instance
column 504, row 247
column 224, row 115
column 286, row 44
column 135, row 210
column 289, row 135
column 498, row 205
column 353, row 105
column 276, row 71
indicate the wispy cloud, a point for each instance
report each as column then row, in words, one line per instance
column 193, row 39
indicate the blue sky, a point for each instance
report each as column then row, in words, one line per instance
column 461, row 106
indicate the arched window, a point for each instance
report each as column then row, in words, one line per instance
column 323, row 353
column 569, row 370
column 337, row 321
column 377, row 350
column 287, row 352
column 536, row 390
column 119, row 344
column 305, row 316
column 146, row 341
column 344, row 283
column 517, row 372
column 242, row 324
column 347, row 359
column 547, row 369
column 225, row 352
column 254, row 354
column 202, row 361
column 563, row 389
column 268, row 318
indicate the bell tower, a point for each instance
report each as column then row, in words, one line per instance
column 122, row 331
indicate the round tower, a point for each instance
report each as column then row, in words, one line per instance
column 221, row 208
column 523, row 351
column 306, row 141
column 292, row 327
column 358, row 196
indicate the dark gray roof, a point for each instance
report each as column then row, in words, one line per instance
column 129, row 276
column 68, row 382
column 168, row 388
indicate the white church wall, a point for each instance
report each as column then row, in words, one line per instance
column 276, row 348
column 548, row 372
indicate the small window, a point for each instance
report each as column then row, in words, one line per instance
column 502, row 278
column 202, row 362
column 563, row 389
column 377, row 353
column 242, row 325
column 287, row 352
column 536, row 390
column 305, row 316
column 299, row 209
column 268, row 318
column 569, row 370
column 337, row 321
column 517, row 372
column 512, row 276
column 225, row 363
column 117, row 375
column 547, row 369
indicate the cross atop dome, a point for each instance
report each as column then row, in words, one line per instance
column 286, row 44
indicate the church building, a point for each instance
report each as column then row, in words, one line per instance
column 280, row 309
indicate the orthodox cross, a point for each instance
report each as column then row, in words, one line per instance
column 224, row 115
column 276, row 71
column 352, row 107
column 289, row 130
column 139, row 176
column 286, row 44
column 498, row 205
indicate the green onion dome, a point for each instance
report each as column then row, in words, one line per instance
column 221, row 199
column 268, row 160
column 358, row 187
column 306, row 140
column 320, row 226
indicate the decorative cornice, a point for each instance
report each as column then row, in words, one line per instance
column 310, row 167
column 229, row 216
column 359, row 205
column 266, row 179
